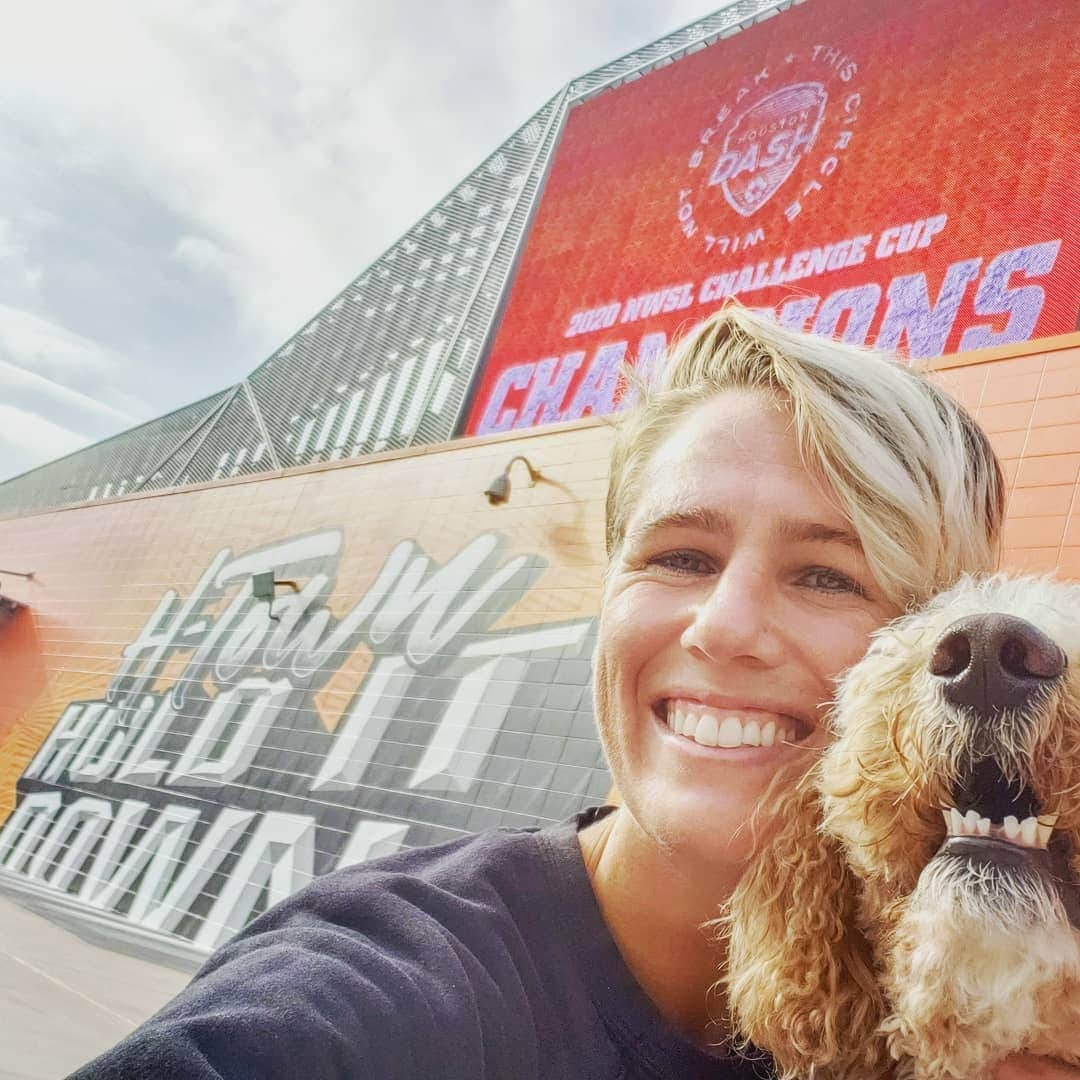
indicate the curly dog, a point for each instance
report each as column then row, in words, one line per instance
column 918, row 900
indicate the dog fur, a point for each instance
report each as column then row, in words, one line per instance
column 854, row 949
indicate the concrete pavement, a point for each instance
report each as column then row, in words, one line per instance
column 63, row 1000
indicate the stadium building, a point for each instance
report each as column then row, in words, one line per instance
column 327, row 612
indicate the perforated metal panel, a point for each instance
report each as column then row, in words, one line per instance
column 139, row 459
column 233, row 446
column 386, row 364
column 729, row 20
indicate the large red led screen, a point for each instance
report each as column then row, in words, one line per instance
column 898, row 173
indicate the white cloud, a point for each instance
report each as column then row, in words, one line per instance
column 50, row 347
column 17, row 378
column 40, row 357
column 59, row 391
column 300, row 140
column 14, row 256
column 28, row 440
column 202, row 255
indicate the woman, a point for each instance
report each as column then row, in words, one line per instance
column 775, row 501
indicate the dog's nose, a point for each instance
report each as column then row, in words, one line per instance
column 994, row 662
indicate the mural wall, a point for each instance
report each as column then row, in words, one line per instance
column 194, row 753
column 177, row 753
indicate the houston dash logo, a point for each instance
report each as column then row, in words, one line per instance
column 779, row 135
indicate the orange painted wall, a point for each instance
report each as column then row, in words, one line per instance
column 1030, row 406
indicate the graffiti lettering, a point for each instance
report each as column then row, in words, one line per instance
column 227, row 789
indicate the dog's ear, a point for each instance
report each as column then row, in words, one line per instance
column 799, row 976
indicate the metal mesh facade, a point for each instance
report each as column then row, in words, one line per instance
column 139, row 459
column 389, row 362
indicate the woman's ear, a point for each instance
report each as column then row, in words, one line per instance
column 799, row 976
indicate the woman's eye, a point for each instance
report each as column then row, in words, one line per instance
column 832, row 581
column 683, row 562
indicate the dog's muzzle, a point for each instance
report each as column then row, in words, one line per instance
column 991, row 663
column 997, row 668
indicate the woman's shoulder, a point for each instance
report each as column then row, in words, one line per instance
column 434, row 961
column 412, row 907
column 499, row 874
column 504, row 869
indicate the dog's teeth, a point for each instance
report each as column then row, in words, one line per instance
column 768, row 733
column 689, row 725
column 1046, row 828
column 1032, row 831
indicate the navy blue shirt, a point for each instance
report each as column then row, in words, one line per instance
column 483, row 959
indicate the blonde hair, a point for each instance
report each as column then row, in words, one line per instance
column 911, row 470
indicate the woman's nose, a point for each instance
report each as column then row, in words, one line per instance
column 734, row 618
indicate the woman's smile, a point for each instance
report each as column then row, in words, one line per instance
column 748, row 736
column 730, row 722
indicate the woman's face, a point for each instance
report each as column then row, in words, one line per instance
column 739, row 593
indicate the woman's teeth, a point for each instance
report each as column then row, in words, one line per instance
column 726, row 730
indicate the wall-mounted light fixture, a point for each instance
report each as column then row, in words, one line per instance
column 498, row 491
column 9, row 607
column 264, row 587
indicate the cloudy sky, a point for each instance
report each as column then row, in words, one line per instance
column 183, row 184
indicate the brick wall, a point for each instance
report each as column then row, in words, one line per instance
column 1030, row 406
